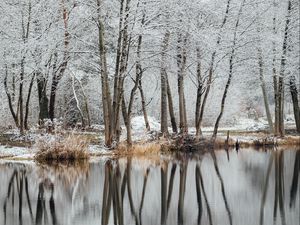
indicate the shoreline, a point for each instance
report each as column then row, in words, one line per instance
column 187, row 144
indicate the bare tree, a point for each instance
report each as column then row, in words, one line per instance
column 232, row 55
column 211, row 69
column 279, row 111
column 164, row 84
column 60, row 70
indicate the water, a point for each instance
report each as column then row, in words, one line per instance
column 245, row 187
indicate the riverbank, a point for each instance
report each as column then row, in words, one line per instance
column 20, row 148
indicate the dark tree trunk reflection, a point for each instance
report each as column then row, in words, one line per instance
column 294, row 186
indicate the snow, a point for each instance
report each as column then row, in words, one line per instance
column 251, row 124
column 28, row 156
column 241, row 124
column 28, row 153
column 97, row 149
column 13, row 151
column 138, row 128
column 138, row 124
column 97, row 127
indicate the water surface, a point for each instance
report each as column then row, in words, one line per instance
column 246, row 187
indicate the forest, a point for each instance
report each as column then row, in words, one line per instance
column 201, row 63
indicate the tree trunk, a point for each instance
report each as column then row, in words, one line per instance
column 9, row 98
column 224, row 96
column 263, row 87
column 127, row 122
column 116, row 129
column 294, row 94
column 164, row 110
column 28, row 101
column 58, row 74
column 199, row 94
column 144, row 106
column 116, row 95
column 181, row 63
column 127, row 113
column 86, row 104
column 275, row 76
column 171, row 108
column 21, row 115
column 230, row 73
column 77, row 102
column 211, row 68
column 42, row 95
column 106, row 100
column 131, row 101
column 282, row 73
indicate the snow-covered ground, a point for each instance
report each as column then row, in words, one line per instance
column 13, row 151
column 138, row 128
column 246, row 124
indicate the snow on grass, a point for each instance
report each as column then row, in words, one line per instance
column 251, row 124
column 241, row 124
column 13, row 151
column 29, row 156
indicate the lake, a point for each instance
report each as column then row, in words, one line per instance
column 244, row 187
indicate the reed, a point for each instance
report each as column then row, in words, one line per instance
column 69, row 148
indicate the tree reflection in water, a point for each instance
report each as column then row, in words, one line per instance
column 279, row 186
column 179, row 190
column 294, row 186
column 18, row 185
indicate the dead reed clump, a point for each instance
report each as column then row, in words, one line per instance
column 139, row 148
column 289, row 141
column 67, row 148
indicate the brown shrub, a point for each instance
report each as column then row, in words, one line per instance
column 70, row 148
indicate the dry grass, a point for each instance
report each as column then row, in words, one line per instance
column 222, row 143
column 289, row 141
column 139, row 148
column 72, row 147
